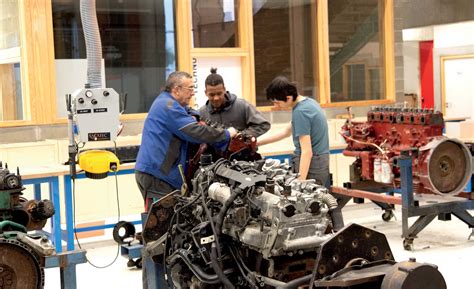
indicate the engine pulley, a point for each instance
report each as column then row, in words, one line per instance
column 19, row 266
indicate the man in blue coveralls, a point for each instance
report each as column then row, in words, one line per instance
column 169, row 129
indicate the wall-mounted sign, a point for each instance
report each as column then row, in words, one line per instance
column 228, row 67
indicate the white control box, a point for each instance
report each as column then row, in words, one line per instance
column 96, row 113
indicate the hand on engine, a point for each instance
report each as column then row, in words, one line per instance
column 232, row 131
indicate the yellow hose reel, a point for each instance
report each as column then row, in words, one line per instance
column 97, row 163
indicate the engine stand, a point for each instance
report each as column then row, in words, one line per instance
column 424, row 206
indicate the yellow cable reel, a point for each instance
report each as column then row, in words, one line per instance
column 97, row 163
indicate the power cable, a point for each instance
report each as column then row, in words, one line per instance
column 118, row 217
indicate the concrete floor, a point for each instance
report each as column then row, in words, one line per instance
column 442, row 243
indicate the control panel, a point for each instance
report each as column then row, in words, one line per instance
column 96, row 114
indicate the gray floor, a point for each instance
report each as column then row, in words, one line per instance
column 442, row 243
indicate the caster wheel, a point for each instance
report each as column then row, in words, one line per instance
column 139, row 263
column 130, row 263
column 387, row 215
column 408, row 244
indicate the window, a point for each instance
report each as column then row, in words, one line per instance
column 355, row 82
column 354, row 45
column 215, row 23
column 11, row 99
column 284, row 37
column 138, row 47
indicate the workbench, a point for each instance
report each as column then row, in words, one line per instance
column 51, row 175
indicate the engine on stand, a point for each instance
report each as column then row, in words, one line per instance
column 402, row 150
column 21, row 253
column 440, row 165
column 255, row 225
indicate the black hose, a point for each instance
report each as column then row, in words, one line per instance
column 196, row 269
column 220, row 217
column 223, row 278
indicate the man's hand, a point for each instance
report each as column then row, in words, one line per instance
column 232, row 131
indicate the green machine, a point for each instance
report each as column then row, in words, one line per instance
column 22, row 252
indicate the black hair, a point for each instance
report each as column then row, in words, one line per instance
column 279, row 88
column 214, row 79
column 175, row 79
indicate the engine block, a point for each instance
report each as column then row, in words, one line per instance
column 256, row 225
column 440, row 165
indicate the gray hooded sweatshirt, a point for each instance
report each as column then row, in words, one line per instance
column 237, row 113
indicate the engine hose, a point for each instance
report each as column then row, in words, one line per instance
column 196, row 269
column 337, row 219
column 296, row 282
column 334, row 211
column 93, row 43
column 223, row 278
column 330, row 201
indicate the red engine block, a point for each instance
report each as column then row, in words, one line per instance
column 440, row 165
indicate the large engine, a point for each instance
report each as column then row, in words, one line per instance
column 255, row 225
column 440, row 165
column 20, row 252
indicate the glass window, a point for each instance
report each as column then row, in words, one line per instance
column 354, row 50
column 11, row 99
column 214, row 23
column 284, row 44
column 138, row 46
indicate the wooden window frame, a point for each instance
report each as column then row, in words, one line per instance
column 36, row 65
column 321, row 49
column 387, row 72
column 38, row 70
column 186, row 51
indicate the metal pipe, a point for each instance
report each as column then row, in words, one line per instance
column 367, row 195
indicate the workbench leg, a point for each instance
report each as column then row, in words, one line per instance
column 56, row 220
column 68, row 277
column 69, row 213
column 37, row 191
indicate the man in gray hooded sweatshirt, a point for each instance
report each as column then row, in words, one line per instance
column 225, row 108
